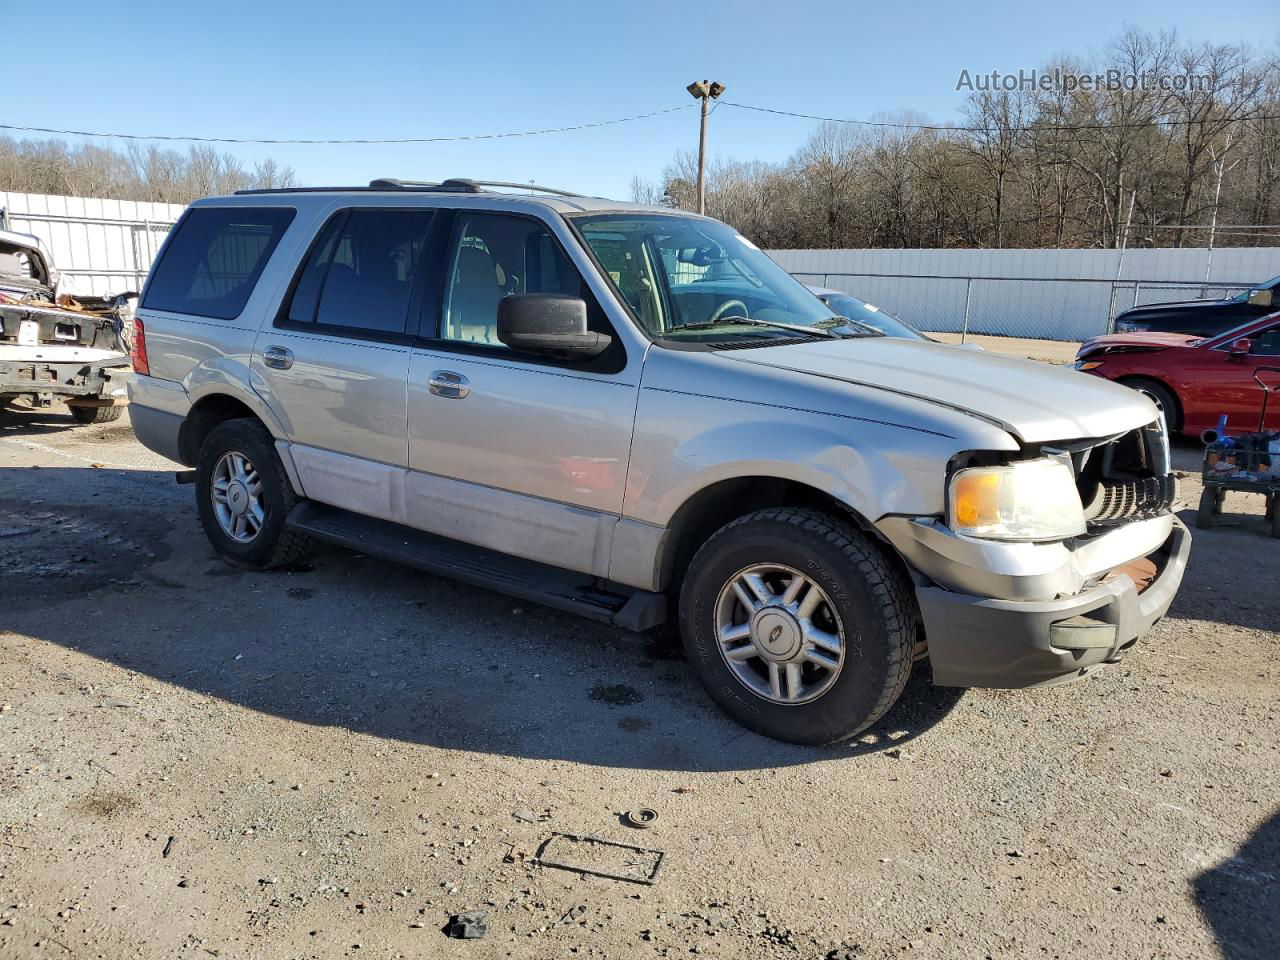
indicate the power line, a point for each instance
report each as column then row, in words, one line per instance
column 944, row 128
column 381, row 140
column 885, row 124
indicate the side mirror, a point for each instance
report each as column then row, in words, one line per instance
column 1240, row 348
column 1261, row 298
column 548, row 323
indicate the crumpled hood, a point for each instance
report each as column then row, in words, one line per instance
column 1035, row 402
column 1155, row 341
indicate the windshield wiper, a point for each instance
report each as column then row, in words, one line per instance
column 861, row 329
column 752, row 322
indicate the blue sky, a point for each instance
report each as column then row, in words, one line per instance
column 315, row 69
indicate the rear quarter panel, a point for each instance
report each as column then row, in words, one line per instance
column 211, row 356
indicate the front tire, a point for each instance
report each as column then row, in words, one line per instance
column 1162, row 397
column 243, row 496
column 797, row 625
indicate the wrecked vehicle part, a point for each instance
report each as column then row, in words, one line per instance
column 56, row 345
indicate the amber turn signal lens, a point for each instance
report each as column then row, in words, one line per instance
column 977, row 499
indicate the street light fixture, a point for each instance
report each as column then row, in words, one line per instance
column 706, row 91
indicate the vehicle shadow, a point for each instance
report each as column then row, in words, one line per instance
column 351, row 641
column 16, row 420
column 1240, row 897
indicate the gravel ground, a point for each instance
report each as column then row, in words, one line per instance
column 330, row 761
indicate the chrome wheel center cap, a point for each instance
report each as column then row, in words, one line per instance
column 776, row 634
column 237, row 497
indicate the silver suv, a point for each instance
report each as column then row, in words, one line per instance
column 634, row 414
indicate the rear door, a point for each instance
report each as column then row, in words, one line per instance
column 333, row 364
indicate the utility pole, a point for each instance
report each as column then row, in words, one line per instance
column 706, row 91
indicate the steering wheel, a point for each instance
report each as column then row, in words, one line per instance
column 723, row 310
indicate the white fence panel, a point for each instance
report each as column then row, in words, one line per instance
column 1050, row 294
column 99, row 246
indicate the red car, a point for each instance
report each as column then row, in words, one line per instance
column 1196, row 380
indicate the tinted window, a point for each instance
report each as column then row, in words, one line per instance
column 1267, row 343
column 214, row 259
column 360, row 271
column 494, row 256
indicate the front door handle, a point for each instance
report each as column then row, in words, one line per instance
column 278, row 358
column 451, row 386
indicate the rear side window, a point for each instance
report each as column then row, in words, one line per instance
column 214, row 259
column 360, row 271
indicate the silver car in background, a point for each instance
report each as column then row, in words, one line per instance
column 634, row 414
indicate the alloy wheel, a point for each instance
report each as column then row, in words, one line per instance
column 236, row 491
column 779, row 634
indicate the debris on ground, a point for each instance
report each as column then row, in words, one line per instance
column 642, row 818
column 573, row 914
column 467, row 926
column 596, row 857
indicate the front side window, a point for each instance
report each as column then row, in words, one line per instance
column 360, row 271
column 493, row 256
column 212, row 262
column 693, row 279
column 1266, row 343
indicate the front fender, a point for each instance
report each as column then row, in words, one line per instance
column 874, row 468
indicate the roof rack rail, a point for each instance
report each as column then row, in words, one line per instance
column 452, row 185
column 463, row 185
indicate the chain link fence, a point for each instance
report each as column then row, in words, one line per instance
column 1031, row 307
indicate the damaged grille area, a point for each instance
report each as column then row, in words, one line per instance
column 1118, row 501
column 1123, row 478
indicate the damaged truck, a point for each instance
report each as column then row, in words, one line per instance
column 55, row 345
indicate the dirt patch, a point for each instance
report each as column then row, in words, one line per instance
column 107, row 804
column 49, row 549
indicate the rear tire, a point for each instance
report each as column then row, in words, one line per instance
column 239, row 459
column 1275, row 517
column 776, row 679
column 97, row 414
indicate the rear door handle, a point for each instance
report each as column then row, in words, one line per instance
column 450, row 385
column 278, row 358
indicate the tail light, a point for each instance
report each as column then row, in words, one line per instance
column 138, row 349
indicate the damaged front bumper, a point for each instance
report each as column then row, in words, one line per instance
column 1018, row 615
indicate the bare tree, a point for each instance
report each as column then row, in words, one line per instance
column 138, row 173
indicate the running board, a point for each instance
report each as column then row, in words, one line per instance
column 536, row 582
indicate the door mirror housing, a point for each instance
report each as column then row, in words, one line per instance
column 1261, row 298
column 548, row 323
column 1240, row 348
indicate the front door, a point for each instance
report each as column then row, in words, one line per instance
column 507, row 450
column 1226, row 383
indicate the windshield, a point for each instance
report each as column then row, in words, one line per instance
column 846, row 306
column 683, row 276
column 1272, row 284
